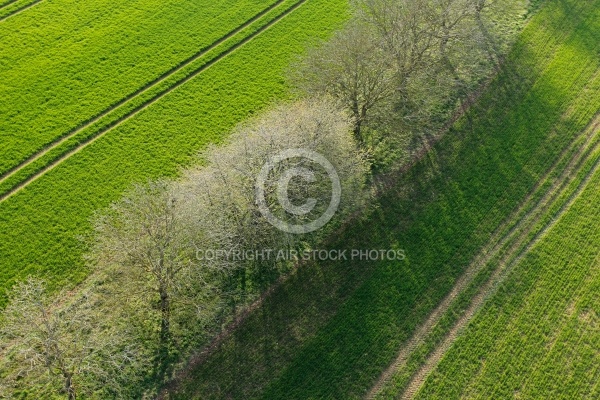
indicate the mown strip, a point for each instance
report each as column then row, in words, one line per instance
column 332, row 329
column 66, row 62
column 39, row 225
column 41, row 162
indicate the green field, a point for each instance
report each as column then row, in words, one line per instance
column 236, row 79
column 9, row 8
column 59, row 71
column 539, row 335
column 141, row 99
column 332, row 329
column 498, row 296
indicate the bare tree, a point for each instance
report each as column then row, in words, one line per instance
column 150, row 243
column 353, row 68
column 44, row 339
column 406, row 30
column 145, row 246
column 55, row 343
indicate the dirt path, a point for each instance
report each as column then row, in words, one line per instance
column 147, row 104
column 508, row 234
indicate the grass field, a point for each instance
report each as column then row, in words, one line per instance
column 332, row 329
column 156, row 140
column 59, row 71
column 9, row 8
column 502, row 353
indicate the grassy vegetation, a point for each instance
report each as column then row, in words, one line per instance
column 534, row 217
column 59, row 71
column 131, row 105
column 51, row 211
column 503, row 354
column 331, row 329
column 9, row 8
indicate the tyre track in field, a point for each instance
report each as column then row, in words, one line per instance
column 506, row 233
column 87, row 141
column 8, row 3
column 18, row 10
column 519, row 246
column 164, row 76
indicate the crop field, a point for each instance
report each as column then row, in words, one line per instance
column 497, row 215
column 502, row 353
column 9, row 8
column 144, row 118
column 87, row 74
column 333, row 330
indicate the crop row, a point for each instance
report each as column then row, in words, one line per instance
column 334, row 327
column 142, row 98
column 65, row 62
column 39, row 225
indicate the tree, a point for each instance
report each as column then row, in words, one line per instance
column 221, row 193
column 58, row 344
column 352, row 68
column 148, row 244
column 406, row 30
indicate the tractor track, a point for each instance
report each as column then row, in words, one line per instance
column 18, row 10
column 507, row 240
column 136, row 110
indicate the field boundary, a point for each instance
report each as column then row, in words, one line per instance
column 153, row 83
column 519, row 245
column 18, row 10
column 136, row 110
column 526, row 215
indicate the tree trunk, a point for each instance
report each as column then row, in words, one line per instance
column 358, row 118
column 69, row 386
column 165, row 311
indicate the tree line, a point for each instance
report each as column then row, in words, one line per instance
column 367, row 98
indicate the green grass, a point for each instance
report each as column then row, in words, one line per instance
column 9, row 8
column 59, row 70
column 332, row 329
column 130, row 106
column 38, row 226
column 539, row 336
